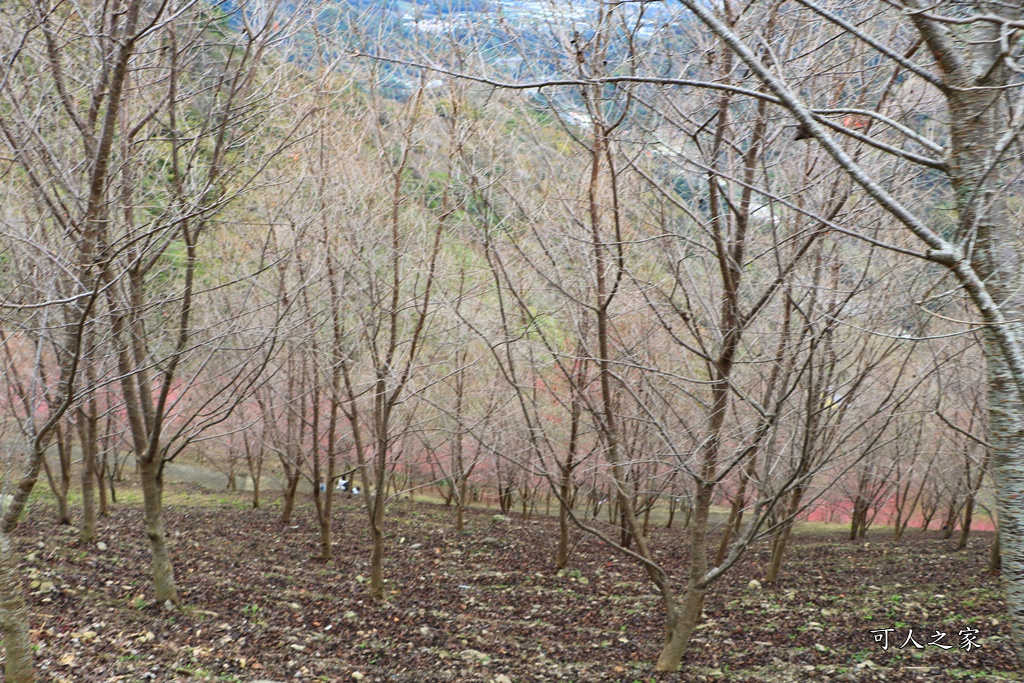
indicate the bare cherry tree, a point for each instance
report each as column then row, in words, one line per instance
column 384, row 249
column 158, row 108
column 970, row 67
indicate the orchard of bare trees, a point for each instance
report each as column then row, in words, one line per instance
column 720, row 267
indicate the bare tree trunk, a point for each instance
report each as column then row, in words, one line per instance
column 113, row 474
column 731, row 252
column 927, row 515
column 732, row 527
column 102, row 467
column 12, row 513
column 995, row 558
column 377, row 497
column 984, row 257
column 255, row 465
column 291, row 486
column 14, row 619
column 377, row 552
column 459, row 476
column 562, row 556
column 965, row 525
column 952, row 514
column 625, row 536
column 972, row 492
column 905, row 521
column 153, row 519
column 101, row 486
column 326, row 509
column 321, row 489
column 680, row 629
column 64, row 438
column 565, row 487
column 505, row 499
column 859, row 518
column 377, row 507
column 782, row 537
column 88, row 437
column 60, row 487
column 460, row 507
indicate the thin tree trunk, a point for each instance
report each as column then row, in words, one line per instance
column 326, row 530
column 255, row 465
column 88, row 531
column 59, row 487
column 290, row 488
column 562, row 557
column 326, row 552
column 898, row 534
column 460, row 506
column 735, row 511
column 459, row 474
column 995, row 559
column 951, row 516
column 782, row 537
column 856, row 519
column 88, row 437
column 565, row 484
column 972, row 493
column 965, row 526
column 625, row 537
column 900, row 503
column 321, row 488
column 377, row 547
column 111, row 476
column 101, row 486
column 927, row 516
column 103, row 468
column 382, row 413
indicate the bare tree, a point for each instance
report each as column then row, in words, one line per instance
column 725, row 129
column 971, row 66
column 388, row 257
column 162, row 94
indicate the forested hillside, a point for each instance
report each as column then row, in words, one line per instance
column 738, row 271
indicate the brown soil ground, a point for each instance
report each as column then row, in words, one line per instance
column 487, row 604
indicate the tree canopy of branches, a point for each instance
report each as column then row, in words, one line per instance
column 685, row 253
